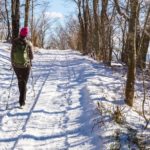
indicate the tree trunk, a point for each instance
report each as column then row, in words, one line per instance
column 124, row 54
column 8, row 22
column 96, row 27
column 129, row 91
column 144, row 43
column 90, row 32
column 110, row 45
column 82, row 27
column 85, row 27
column 15, row 8
column 32, row 18
column 27, row 6
column 104, row 31
column 85, row 22
column 145, row 46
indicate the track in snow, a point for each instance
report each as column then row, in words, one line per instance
column 57, row 118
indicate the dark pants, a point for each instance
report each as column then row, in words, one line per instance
column 22, row 76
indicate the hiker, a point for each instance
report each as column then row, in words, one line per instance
column 21, row 59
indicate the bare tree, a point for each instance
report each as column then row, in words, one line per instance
column 82, row 30
column 144, row 42
column 44, row 26
column 32, row 19
column 8, row 22
column 5, row 30
column 27, row 6
column 104, row 31
column 15, row 15
column 129, row 92
column 96, row 28
column 65, row 37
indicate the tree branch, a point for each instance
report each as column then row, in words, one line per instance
column 121, row 13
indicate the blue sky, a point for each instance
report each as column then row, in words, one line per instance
column 62, row 6
column 60, row 9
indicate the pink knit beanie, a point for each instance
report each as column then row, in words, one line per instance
column 24, row 32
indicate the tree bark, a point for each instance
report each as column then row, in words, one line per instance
column 96, row 27
column 129, row 91
column 144, row 43
column 27, row 6
column 104, row 31
column 15, row 8
column 8, row 23
column 32, row 18
column 82, row 30
column 124, row 54
column 85, row 27
column 90, row 28
column 85, row 37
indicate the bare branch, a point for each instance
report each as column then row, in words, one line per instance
column 121, row 13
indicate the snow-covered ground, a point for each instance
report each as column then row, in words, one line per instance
column 61, row 107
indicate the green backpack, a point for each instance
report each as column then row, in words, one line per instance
column 20, row 54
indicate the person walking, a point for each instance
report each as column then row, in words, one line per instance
column 21, row 59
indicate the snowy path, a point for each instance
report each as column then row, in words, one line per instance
column 59, row 116
column 62, row 113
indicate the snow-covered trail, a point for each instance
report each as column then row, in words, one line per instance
column 60, row 111
column 59, row 117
